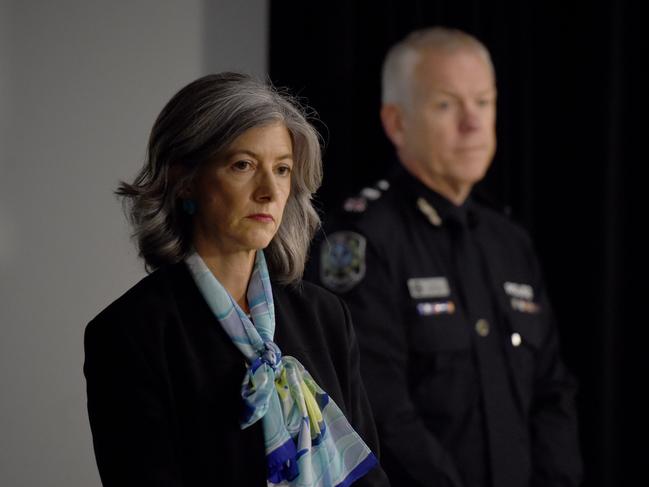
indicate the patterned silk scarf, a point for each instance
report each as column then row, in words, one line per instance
column 308, row 440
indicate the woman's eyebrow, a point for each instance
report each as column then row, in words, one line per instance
column 253, row 154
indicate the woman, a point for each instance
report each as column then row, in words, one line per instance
column 221, row 367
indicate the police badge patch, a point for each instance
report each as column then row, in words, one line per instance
column 342, row 261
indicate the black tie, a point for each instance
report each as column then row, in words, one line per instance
column 502, row 418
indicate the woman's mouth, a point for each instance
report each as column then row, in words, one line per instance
column 261, row 217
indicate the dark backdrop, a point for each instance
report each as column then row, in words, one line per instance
column 572, row 132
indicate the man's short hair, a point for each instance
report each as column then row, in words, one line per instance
column 402, row 58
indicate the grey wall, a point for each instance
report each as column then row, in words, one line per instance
column 81, row 82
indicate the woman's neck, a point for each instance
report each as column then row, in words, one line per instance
column 232, row 269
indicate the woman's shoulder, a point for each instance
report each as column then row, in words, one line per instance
column 312, row 311
column 310, row 294
column 141, row 305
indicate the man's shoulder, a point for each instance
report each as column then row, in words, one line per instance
column 501, row 225
column 372, row 212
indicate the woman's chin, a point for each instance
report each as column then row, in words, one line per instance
column 258, row 242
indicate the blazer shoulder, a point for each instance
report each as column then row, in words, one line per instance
column 310, row 294
column 142, row 303
column 316, row 305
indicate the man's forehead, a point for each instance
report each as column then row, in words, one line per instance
column 431, row 54
column 437, row 91
column 460, row 70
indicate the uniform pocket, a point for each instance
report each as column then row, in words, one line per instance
column 442, row 374
column 440, row 343
column 528, row 331
column 530, row 328
column 440, row 333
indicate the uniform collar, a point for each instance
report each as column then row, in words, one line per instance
column 435, row 207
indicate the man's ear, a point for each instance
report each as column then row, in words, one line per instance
column 392, row 119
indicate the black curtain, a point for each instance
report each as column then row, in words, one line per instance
column 572, row 139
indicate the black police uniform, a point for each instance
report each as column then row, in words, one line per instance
column 459, row 349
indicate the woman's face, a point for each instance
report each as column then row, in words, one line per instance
column 240, row 196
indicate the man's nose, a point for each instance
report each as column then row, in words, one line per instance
column 469, row 119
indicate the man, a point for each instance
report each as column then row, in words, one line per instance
column 460, row 353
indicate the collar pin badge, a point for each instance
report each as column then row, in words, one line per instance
column 431, row 213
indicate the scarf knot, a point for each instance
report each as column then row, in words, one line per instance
column 270, row 355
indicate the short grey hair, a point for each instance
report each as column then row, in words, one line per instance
column 198, row 124
column 402, row 58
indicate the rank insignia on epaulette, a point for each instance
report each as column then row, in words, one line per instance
column 383, row 185
column 370, row 193
column 342, row 260
column 356, row 204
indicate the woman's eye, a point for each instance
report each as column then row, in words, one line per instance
column 284, row 170
column 241, row 165
column 443, row 105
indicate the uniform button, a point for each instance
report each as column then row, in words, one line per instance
column 482, row 327
column 516, row 339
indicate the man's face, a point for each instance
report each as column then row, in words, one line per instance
column 448, row 130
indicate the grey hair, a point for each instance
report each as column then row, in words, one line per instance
column 402, row 58
column 199, row 123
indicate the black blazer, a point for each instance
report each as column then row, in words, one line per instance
column 164, row 382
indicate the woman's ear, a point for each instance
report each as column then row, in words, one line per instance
column 177, row 172
column 186, row 191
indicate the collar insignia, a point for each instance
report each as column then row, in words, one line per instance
column 431, row 213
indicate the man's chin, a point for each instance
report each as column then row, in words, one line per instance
column 472, row 171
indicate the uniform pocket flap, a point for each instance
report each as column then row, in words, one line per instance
column 529, row 327
column 440, row 333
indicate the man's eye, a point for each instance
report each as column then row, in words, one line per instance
column 443, row 105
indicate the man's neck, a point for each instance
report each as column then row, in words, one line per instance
column 455, row 193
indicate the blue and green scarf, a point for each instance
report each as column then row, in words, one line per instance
column 308, row 440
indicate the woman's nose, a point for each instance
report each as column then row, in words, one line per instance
column 266, row 189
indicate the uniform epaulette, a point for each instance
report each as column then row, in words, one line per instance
column 360, row 202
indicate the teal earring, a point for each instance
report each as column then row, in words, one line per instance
column 189, row 206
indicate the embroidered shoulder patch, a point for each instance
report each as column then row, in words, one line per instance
column 342, row 261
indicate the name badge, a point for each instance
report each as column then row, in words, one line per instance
column 428, row 287
column 520, row 291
